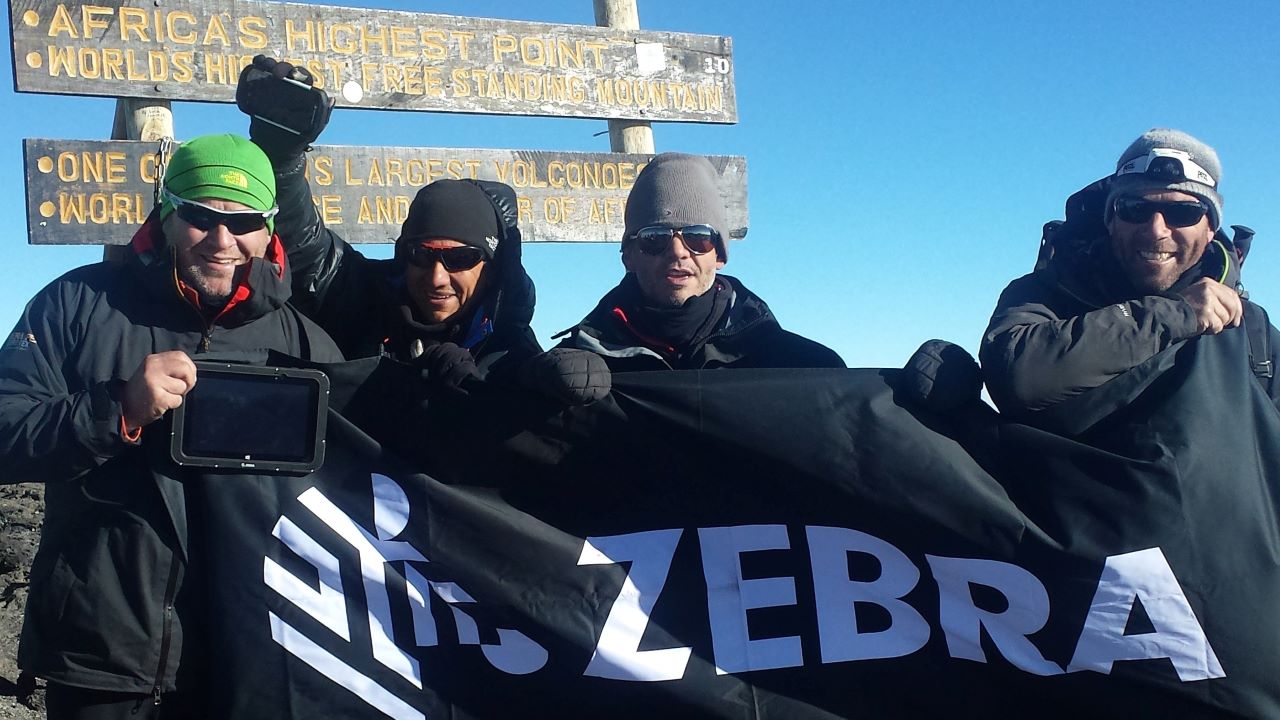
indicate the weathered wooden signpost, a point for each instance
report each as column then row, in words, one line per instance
column 155, row 51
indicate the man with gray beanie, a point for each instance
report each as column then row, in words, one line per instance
column 97, row 358
column 672, row 309
column 1156, row 271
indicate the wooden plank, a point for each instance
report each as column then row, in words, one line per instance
column 100, row 191
column 381, row 59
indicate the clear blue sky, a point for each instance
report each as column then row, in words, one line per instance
column 902, row 155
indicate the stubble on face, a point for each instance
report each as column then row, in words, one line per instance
column 440, row 295
column 1152, row 254
column 213, row 262
column 675, row 276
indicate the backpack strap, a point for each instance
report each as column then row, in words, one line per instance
column 1258, row 328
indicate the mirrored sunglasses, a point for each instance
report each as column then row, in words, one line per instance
column 454, row 259
column 655, row 239
column 1176, row 214
column 205, row 218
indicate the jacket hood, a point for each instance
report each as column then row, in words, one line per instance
column 512, row 300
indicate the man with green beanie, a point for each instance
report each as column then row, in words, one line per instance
column 98, row 356
column 1143, row 272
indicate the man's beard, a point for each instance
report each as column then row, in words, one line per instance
column 214, row 292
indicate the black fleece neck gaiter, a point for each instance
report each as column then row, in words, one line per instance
column 680, row 327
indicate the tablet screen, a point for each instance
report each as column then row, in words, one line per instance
column 246, row 417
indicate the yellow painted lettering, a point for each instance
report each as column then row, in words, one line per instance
column 330, row 207
column 463, row 38
column 342, row 38
column 295, row 37
column 403, row 42
column 375, row 38
column 184, row 66
column 503, row 45
column 323, row 170
column 461, row 87
column 351, row 180
column 253, row 32
column 216, row 32
column 90, row 18
column 171, row 21
column 433, row 44
column 134, row 21
column 61, row 24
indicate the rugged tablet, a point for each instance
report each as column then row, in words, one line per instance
column 245, row 417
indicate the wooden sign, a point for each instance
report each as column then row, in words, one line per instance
column 365, row 58
column 100, row 191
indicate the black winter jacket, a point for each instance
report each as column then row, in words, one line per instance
column 1076, row 324
column 748, row 336
column 362, row 303
column 113, row 552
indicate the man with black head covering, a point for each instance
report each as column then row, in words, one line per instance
column 97, row 358
column 455, row 299
column 1159, row 274
column 673, row 309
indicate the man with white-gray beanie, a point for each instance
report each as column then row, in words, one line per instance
column 673, row 310
column 1157, row 273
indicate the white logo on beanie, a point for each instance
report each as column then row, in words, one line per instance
column 492, row 242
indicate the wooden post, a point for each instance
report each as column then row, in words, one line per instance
column 136, row 119
column 628, row 136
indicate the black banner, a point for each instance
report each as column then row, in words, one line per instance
column 759, row 544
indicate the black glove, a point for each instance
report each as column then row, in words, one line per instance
column 941, row 376
column 287, row 112
column 445, row 367
column 567, row 376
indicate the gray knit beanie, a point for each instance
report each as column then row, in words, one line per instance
column 675, row 190
column 1129, row 182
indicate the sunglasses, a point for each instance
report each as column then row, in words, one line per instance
column 205, row 218
column 697, row 239
column 1176, row 214
column 454, row 259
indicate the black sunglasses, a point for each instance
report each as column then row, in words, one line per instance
column 454, row 259
column 205, row 218
column 655, row 239
column 1176, row 214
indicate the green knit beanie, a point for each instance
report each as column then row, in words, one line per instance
column 222, row 167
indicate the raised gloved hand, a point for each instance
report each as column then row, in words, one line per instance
column 568, row 376
column 446, row 366
column 287, row 112
column 941, row 376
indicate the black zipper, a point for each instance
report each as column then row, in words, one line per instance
column 166, row 627
column 207, row 325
